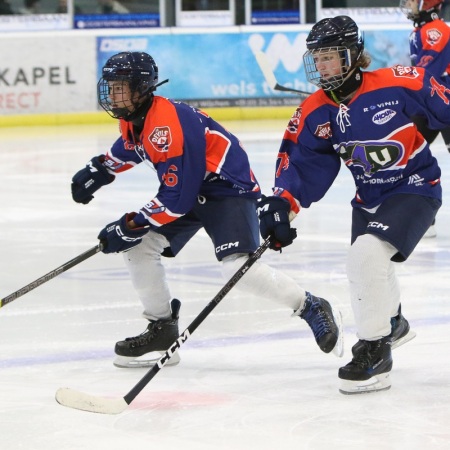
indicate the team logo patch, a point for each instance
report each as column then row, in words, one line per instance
column 384, row 116
column 295, row 121
column 433, row 36
column 323, row 131
column 371, row 156
column 405, row 71
column 161, row 138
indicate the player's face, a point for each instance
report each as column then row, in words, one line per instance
column 412, row 5
column 121, row 96
column 328, row 63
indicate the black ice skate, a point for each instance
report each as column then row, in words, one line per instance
column 369, row 369
column 325, row 323
column 401, row 332
column 158, row 337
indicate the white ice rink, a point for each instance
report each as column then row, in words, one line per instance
column 251, row 377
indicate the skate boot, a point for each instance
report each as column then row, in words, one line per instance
column 158, row 337
column 325, row 323
column 369, row 369
column 401, row 333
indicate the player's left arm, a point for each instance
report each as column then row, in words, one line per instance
column 181, row 173
column 432, row 101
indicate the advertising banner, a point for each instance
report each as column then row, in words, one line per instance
column 214, row 69
column 35, row 22
column 44, row 75
column 141, row 20
column 50, row 73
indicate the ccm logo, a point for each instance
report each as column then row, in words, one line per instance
column 223, row 247
column 378, row 225
column 173, row 348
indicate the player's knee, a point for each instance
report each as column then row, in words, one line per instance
column 151, row 247
column 368, row 257
column 232, row 263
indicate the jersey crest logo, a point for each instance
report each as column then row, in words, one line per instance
column 324, row 131
column 161, row 138
column 405, row 71
column 295, row 121
column 433, row 36
column 371, row 156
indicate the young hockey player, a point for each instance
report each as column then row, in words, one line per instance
column 205, row 182
column 364, row 119
column 429, row 48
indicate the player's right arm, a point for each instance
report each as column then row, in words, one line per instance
column 306, row 168
column 307, row 164
column 101, row 170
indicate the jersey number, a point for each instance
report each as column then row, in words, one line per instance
column 170, row 178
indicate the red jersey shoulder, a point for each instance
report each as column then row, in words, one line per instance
column 410, row 77
column 162, row 135
column 310, row 104
column 435, row 35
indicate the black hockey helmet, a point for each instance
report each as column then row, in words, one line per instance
column 421, row 10
column 333, row 34
column 138, row 70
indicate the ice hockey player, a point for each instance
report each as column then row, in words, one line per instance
column 363, row 118
column 429, row 45
column 205, row 182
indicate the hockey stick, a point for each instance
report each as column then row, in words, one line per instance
column 86, row 402
column 267, row 71
column 47, row 277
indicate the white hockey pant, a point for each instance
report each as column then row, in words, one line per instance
column 374, row 289
column 148, row 275
column 263, row 281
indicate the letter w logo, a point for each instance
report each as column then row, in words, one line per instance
column 280, row 49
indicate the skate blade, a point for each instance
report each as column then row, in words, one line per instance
column 338, row 349
column 380, row 382
column 403, row 340
column 130, row 362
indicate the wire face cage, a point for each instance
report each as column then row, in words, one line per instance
column 327, row 67
column 116, row 97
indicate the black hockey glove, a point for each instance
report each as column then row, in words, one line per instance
column 273, row 213
column 90, row 179
column 116, row 237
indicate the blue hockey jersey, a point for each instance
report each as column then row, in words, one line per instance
column 192, row 154
column 430, row 47
column 373, row 135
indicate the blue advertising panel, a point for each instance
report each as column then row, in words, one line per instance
column 275, row 17
column 140, row 20
column 220, row 69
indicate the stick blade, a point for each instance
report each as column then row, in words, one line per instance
column 265, row 68
column 91, row 403
column 269, row 76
